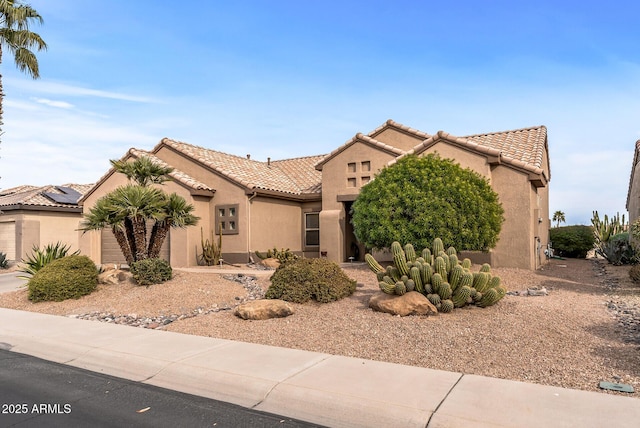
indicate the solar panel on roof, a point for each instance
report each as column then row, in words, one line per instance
column 68, row 196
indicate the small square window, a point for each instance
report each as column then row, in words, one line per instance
column 365, row 180
column 366, row 166
column 351, row 182
column 351, row 167
column 226, row 219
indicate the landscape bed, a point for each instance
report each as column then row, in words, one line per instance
column 586, row 330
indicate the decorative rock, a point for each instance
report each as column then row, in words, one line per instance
column 263, row 309
column 114, row 277
column 411, row 303
column 270, row 263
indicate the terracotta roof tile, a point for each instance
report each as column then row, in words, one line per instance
column 35, row 195
column 176, row 174
column 292, row 176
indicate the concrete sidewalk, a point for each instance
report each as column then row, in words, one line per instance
column 325, row 389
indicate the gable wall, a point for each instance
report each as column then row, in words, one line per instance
column 335, row 184
column 634, row 193
column 465, row 158
column 398, row 139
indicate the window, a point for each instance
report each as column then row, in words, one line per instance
column 351, row 167
column 365, row 166
column 365, row 180
column 226, row 219
column 351, row 182
column 312, row 229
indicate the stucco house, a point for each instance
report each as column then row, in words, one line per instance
column 633, row 193
column 39, row 215
column 303, row 203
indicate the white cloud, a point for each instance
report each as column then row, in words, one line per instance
column 57, row 88
column 52, row 103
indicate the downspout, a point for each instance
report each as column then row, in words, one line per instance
column 249, row 199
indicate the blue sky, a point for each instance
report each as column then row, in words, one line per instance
column 284, row 79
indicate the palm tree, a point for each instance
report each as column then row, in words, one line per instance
column 558, row 217
column 15, row 19
column 127, row 209
column 177, row 213
column 143, row 171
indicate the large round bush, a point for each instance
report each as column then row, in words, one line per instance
column 70, row 277
column 418, row 199
column 305, row 279
column 572, row 241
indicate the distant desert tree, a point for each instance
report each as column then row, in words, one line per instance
column 18, row 39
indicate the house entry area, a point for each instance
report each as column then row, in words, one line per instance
column 352, row 247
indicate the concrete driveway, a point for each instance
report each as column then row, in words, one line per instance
column 11, row 282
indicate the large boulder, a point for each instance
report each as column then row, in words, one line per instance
column 114, row 277
column 411, row 303
column 270, row 263
column 263, row 309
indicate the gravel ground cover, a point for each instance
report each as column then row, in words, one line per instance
column 586, row 330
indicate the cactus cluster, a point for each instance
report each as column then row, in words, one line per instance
column 440, row 275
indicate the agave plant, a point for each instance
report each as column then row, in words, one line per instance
column 41, row 257
column 4, row 263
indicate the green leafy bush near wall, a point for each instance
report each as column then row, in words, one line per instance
column 305, row 279
column 572, row 241
column 418, row 199
column 151, row 271
column 69, row 277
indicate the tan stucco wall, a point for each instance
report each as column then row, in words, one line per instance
column 335, row 184
column 397, row 138
column 465, row 158
column 523, row 203
column 633, row 203
column 40, row 228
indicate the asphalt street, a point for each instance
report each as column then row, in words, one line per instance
column 39, row 393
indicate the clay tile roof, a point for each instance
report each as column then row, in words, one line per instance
column 521, row 148
column 35, row 196
column 290, row 176
column 176, row 174
column 394, row 124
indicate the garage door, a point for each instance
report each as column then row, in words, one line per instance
column 8, row 239
column 111, row 252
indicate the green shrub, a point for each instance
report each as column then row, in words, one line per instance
column 69, row 277
column 151, row 271
column 4, row 263
column 304, row 279
column 418, row 199
column 39, row 258
column 634, row 273
column 572, row 241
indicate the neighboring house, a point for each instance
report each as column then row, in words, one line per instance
column 303, row 204
column 37, row 216
column 633, row 193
